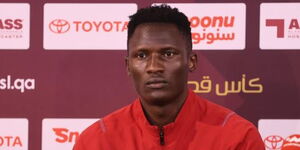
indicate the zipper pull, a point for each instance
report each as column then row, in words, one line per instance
column 161, row 135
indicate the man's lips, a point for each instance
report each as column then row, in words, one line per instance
column 156, row 83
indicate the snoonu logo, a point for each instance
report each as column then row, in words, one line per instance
column 215, row 23
column 65, row 136
column 18, row 84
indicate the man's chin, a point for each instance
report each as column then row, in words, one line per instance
column 158, row 98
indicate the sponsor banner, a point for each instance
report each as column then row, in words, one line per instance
column 62, row 133
column 13, row 134
column 279, row 26
column 280, row 134
column 218, row 26
column 86, row 26
column 14, row 25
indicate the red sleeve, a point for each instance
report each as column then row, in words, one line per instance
column 78, row 145
column 90, row 138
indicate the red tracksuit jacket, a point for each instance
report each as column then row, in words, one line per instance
column 200, row 125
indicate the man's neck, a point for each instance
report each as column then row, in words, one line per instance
column 161, row 115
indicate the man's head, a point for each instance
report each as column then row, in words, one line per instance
column 159, row 54
column 161, row 14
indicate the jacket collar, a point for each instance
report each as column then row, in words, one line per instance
column 185, row 119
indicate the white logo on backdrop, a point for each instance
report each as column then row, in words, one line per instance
column 86, row 26
column 14, row 25
column 216, row 26
column 13, row 134
column 276, row 133
column 279, row 26
column 61, row 134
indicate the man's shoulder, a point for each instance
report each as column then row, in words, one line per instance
column 112, row 120
column 226, row 122
column 104, row 128
column 123, row 115
column 93, row 130
column 217, row 115
column 227, row 126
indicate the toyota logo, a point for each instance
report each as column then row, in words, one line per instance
column 59, row 26
column 273, row 142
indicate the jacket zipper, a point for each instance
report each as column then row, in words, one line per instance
column 161, row 135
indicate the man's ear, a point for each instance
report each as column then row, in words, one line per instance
column 127, row 66
column 193, row 60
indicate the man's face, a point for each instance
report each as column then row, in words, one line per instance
column 158, row 62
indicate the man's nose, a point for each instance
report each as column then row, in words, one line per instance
column 154, row 64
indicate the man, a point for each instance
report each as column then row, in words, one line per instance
column 167, row 115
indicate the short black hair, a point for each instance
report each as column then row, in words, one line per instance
column 161, row 14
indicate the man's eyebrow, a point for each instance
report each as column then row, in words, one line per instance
column 145, row 50
column 169, row 48
column 142, row 49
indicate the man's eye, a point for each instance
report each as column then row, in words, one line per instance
column 168, row 53
column 141, row 55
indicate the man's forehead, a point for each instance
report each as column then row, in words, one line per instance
column 158, row 31
column 156, row 34
column 149, row 35
column 156, row 26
